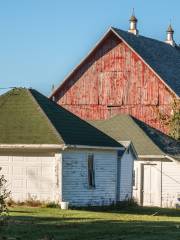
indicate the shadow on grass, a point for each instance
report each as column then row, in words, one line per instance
column 20, row 211
column 70, row 228
column 138, row 210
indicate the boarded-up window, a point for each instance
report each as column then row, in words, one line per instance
column 91, row 173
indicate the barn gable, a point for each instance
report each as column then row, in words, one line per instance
column 123, row 75
column 159, row 56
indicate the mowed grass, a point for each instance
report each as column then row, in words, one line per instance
column 109, row 224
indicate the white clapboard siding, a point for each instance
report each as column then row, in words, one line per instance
column 30, row 176
column 165, row 182
column 75, row 178
column 126, row 171
column 148, row 179
column 171, row 183
column 137, row 179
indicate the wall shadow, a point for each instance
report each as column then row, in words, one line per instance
column 72, row 228
column 118, row 226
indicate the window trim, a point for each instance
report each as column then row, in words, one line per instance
column 135, row 175
column 93, row 186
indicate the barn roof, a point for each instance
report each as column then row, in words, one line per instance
column 28, row 117
column 160, row 56
column 146, row 140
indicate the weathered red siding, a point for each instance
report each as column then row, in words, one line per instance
column 115, row 80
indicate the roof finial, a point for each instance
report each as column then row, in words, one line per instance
column 169, row 36
column 133, row 24
column 52, row 88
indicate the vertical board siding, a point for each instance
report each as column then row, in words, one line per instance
column 30, row 177
column 115, row 80
column 126, row 168
column 154, row 182
column 75, row 178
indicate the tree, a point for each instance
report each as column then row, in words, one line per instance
column 172, row 121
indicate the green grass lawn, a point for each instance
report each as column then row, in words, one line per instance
column 130, row 223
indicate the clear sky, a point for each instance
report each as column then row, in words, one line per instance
column 42, row 40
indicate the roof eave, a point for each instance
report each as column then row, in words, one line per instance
column 81, row 62
column 162, row 157
column 32, row 146
column 95, row 147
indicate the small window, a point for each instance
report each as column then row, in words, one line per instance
column 135, row 178
column 91, row 174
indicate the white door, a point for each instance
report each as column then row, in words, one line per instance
column 150, row 185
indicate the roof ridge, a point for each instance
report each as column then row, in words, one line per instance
column 146, row 37
column 139, row 35
column 130, row 118
column 145, row 134
column 44, row 114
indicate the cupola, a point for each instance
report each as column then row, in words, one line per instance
column 133, row 24
column 170, row 37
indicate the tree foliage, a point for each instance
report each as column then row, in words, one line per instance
column 172, row 121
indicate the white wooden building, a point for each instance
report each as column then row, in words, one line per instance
column 156, row 177
column 157, row 182
column 49, row 154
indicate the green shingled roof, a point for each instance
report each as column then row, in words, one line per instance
column 146, row 140
column 28, row 117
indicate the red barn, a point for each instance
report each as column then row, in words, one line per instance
column 124, row 73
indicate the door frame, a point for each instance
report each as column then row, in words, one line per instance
column 142, row 181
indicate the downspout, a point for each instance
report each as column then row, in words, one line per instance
column 118, row 187
column 61, row 177
column 161, row 185
column 61, row 174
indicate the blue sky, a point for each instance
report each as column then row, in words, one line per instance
column 42, row 40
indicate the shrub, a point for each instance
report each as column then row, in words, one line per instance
column 128, row 203
column 52, row 205
column 32, row 202
column 4, row 194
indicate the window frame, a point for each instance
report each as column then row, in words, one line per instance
column 135, row 175
column 91, row 171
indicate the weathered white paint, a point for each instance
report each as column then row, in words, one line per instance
column 151, row 191
column 63, row 176
column 58, row 177
column 157, row 183
column 170, row 183
column 126, row 172
column 30, row 176
column 110, row 185
column 147, row 189
column 75, row 178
